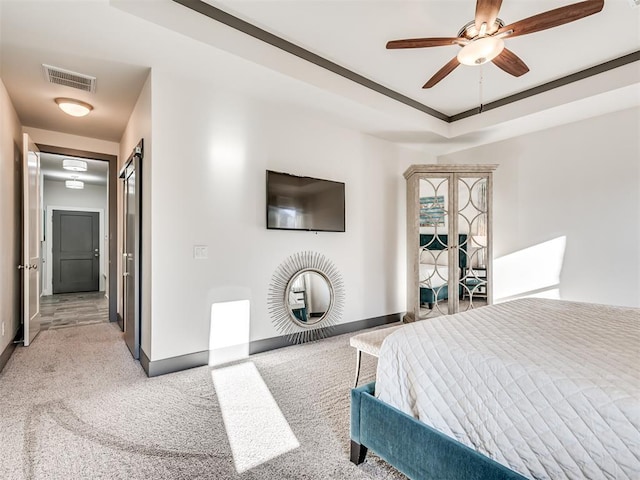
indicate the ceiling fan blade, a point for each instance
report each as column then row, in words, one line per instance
column 511, row 63
column 554, row 18
column 443, row 72
column 423, row 42
column 486, row 12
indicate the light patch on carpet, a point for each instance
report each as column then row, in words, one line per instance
column 256, row 428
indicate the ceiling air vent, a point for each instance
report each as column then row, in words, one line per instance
column 60, row 76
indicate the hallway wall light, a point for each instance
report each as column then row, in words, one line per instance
column 72, row 107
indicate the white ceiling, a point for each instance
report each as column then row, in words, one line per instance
column 353, row 34
column 119, row 41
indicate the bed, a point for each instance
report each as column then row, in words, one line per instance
column 532, row 388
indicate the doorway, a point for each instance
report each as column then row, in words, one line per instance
column 83, row 264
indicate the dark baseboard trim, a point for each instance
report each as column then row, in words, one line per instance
column 173, row 364
column 144, row 362
column 200, row 359
column 273, row 343
column 8, row 351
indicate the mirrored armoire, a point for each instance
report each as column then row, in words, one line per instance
column 449, row 237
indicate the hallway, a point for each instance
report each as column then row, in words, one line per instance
column 73, row 309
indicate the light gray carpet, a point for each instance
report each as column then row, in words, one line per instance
column 75, row 405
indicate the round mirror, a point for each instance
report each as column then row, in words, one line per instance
column 309, row 297
column 306, row 297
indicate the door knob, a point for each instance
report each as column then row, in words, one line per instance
column 23, row 267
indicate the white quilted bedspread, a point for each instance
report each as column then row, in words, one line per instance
column 549, row 388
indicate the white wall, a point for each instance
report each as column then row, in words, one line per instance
column 10, row 218
column 66, row 140
column 211, row 150
column 139, row 127
column 55, row 194
column 579, row 181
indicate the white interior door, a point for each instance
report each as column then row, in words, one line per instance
column 31, row 231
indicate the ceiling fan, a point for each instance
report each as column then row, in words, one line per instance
column 481, row 39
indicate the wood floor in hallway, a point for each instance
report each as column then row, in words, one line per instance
column 73, row 309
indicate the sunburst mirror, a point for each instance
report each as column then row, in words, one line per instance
column 306, row 297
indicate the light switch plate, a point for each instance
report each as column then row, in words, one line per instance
column 200, row 252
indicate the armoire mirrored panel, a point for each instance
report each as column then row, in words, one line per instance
column 448, row 239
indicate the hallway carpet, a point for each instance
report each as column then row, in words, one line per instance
column 75, row 405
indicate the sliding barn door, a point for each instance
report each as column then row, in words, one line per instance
column 132, row 215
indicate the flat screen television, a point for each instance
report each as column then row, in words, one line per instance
column 304, row 203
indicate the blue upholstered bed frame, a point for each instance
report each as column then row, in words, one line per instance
column 414, row 448
column 428, row 295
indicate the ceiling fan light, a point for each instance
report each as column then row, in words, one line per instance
column 480, row 51
column 72, row 107
column 74, row 165
column 75, row 184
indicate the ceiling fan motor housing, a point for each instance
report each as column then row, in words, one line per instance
column 469, row 31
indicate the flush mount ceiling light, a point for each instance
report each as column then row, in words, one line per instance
column 481, row 50
column 74, row 165
column 72, row 107
column 75, row 184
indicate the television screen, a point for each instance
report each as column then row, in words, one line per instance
column 304, row 203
